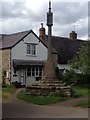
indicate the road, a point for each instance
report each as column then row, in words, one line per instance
column 21, row 109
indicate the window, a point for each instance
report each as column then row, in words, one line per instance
column 29, row 71
column 34, row 71
column 37, row 71
column 31, row 49
column 40, row 71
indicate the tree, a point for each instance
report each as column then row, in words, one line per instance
column 81, row 60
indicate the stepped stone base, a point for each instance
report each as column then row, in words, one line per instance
column 49, row 86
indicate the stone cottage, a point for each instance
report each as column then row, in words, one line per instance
column 23, row 55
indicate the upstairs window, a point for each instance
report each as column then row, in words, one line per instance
column 31, row 49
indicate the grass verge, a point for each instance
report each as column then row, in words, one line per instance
column 84, row 103
column 41, row 100
column 81, row 91
column 9, row 89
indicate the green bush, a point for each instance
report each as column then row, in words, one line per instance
column 74, row 94
column 70, row 77
column 58, row 73
column 83, row 79
column 73, row 78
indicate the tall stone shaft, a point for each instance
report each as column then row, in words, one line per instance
column 50, row 64
column 49, row 24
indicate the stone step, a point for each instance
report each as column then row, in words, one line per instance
column 43, row 87
column 40, row 84
column 52, row 82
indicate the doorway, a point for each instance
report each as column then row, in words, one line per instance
column 22, row 76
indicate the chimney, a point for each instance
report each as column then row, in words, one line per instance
column 73, row 35
column 42, row 32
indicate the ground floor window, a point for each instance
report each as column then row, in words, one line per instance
column 34, row 71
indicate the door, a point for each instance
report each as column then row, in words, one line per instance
column 23, row 76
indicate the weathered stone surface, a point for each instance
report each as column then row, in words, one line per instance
column 0, row 66
column 45, row 87
column 49, row 69
column 5, row 63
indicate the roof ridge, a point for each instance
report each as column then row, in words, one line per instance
column 20, row 32
column 16, row 32
column 53, row 36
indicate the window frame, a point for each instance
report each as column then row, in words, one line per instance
column 31, row 49
column 34, row 71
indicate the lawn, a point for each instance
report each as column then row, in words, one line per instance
column 41, row 100
column 81, row 91
column 45, row 100
column 9, row 89
column 83, row 103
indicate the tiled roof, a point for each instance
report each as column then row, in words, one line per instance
column 65, row 47
column 7, row 41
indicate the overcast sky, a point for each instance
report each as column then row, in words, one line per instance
column 20, row 15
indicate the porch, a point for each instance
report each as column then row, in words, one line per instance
column 27, row 72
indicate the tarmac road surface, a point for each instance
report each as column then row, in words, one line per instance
column 21, row 109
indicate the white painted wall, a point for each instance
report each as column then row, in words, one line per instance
column 20, row 50
column 64, row 66
column 30, row 80
column 14, row 78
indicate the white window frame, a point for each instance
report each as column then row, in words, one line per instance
column 31, row 49
column 35, row 75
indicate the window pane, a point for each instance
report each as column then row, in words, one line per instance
column 40, row 69
column 28, row 49
column 33, row 49
column 40, row 73
column 33, row 73
column 36, row 71
column 28, row 71
column 33, row 69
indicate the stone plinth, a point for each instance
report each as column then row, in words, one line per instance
column 47, row 86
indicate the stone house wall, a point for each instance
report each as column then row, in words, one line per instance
column 5, row 64
column 0, row 66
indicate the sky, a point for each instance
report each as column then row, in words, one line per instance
column 22, row 15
